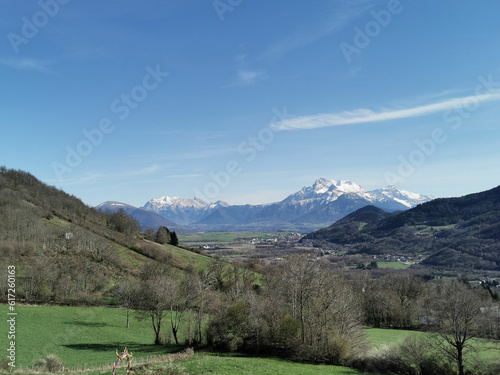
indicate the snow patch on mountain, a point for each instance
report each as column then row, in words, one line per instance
column 157, row 204
column 114, row 205
column 325, row 190
column 312, row 204
column 406, row 198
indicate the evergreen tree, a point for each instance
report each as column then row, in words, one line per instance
column 174, row 240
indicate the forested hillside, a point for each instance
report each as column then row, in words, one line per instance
column 453, row 233
column 68, row 252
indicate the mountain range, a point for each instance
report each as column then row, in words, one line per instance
column 461, row 232
column 146, row 218
column 313, row 207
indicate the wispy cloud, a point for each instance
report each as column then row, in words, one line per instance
column 204, row 154
column 362, row 115
column 144, row 171
column 338, row 16
column 84, row 180
column 185, row 175
column 246, row 77
column 27, row 64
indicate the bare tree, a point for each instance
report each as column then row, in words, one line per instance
column 457, row 313
column 298, row 276
column 100, row 250
column 202, row 288
column 153, row 302
column 127, row 293
column 407, row 288
column 161, row 293
column 123, row 223
column 179, row 300
column 149, row 234
column 216, row 272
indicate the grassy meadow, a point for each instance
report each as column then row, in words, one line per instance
column 393, row 265
column 223, row 237
column 81, row 335
column 89, row 336
column 224, row 364
column 486, row 349
column 236, row 365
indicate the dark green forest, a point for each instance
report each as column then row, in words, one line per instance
column 453, row 233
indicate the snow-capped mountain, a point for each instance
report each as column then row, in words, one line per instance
column 320, row 204
column 330, row 190
column 329, row 200
column 183, row 211
column 113, row 206
column 175, row 203
column 325, row 190
column 403, row 197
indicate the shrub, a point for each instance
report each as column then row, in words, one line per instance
column 481, row 368
column 50, row 363
column 4, row 364
column 418, row 355
column 339, row 351
column 235, row 343
column 382, row 360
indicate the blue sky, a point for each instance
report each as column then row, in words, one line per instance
column 248, row 101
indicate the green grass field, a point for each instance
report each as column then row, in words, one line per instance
column 236, row 365
column 186, row 257
column 486, row 349
column 394, row 265
column 80, row 335
column 222, row 237
column 90, row 335
column 389, row 337
column 222, row 364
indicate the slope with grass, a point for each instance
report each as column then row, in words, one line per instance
column 68, row 252
column 81, row 335
column 218, row 364
column 88, row 337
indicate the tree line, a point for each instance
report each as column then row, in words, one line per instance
column 67, row 251
column 302, row 310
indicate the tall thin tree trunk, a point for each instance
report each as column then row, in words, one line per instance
column 460, row 360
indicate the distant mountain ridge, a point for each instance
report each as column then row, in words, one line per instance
column 459, row 232
column 313, row 207
column 146, row 218
column 182, row 211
